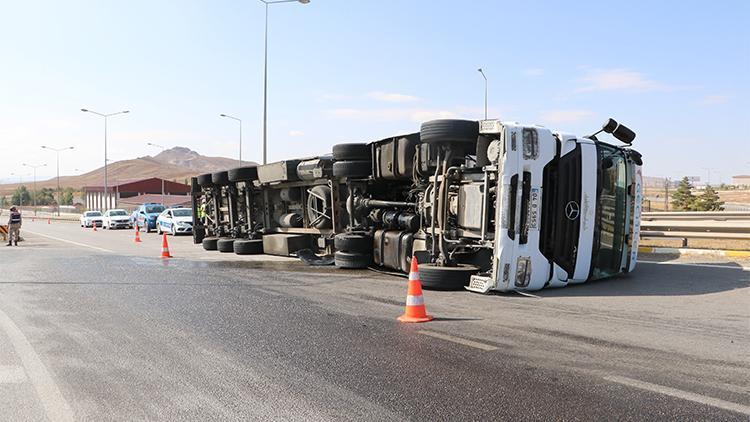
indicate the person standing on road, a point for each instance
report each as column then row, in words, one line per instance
column 14, row 226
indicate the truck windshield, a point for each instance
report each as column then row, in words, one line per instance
column 609, row 235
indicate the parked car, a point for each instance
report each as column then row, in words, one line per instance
column 147, row 215
column 175, row 221
column 116, row 219
column 89, row 218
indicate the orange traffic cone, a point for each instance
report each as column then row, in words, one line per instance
column 415, row 310
column 49, row 221
column 165, row 247
column 137, row 235
column 93, row 224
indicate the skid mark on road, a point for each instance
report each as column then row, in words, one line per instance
column 55, row 406
column 685, row 395
column 459, row 340
column 69, row 241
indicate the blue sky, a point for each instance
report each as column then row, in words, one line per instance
column 677, row 72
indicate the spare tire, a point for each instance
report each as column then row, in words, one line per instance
column 352, row 260
column 437, row 277
column 205, row 180
column 449, row 131
column 319, row 207
column 349, row 152
column 243, row 174
column 225, row 245
column 352, row 169
column 248, row 247
column 209, row 243
column 353, row 242
column 220, row 178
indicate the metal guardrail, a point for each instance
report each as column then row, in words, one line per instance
column 697, row 225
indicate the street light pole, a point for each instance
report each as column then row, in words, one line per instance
column 265, row 74
column 105, row 116
column 20, row 181
column 34, row 167
column 485, row 91
column 162, row 179
column 240, row 122
column 57, row 152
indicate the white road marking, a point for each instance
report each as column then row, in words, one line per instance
column 458, row 340
column 685, row 395
column 12, row 374
column 725, row 267
column 70, row 241
column 52, row 400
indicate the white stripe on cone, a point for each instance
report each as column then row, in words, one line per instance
column 414, row 275
column 414, row 300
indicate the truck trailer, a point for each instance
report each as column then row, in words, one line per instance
column 483, row 205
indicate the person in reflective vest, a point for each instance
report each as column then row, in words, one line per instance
column 14, row 226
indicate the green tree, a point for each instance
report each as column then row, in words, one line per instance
column 45, row 196
column 66, row 196
column 21, row 196
column 683, row 199
column 708, row 201
column 4, row 201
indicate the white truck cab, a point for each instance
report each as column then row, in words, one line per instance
column 568, row 210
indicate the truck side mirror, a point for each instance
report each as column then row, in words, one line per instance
column 621, row 132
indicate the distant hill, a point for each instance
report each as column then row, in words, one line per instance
column 178, row 164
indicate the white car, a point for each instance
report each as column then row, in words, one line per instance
column 175, row 221
column 117, row 219
column 89, row 218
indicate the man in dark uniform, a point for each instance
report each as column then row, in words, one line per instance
column 14, row 226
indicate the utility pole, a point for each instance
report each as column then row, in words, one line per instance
column 57, row 151
column 34, row 167
column 667, row 182
column 105, row 116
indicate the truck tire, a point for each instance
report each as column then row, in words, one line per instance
column 199, row 233
column 449, row 131
column 248, row 247
column 205, row 180
column 352, row 152
column 220, row 178
column 209, row 243
column 352, row 169
column 243, row 174
column 352, row 260
column 319, row 204
column 353, row 242
column 482, row 143
column 225, row 245
column 436, row 277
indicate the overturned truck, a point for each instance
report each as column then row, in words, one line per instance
column 485, row 206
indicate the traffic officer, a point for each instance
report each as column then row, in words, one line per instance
column 14, row 226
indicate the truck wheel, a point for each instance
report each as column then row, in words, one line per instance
column 243, row 174
column 205, row 180
column 199, row 233
column 352, row 260
column 351, row 152
column 352, row 169
column 225, row 245
column 353, row 242
column 209, row 243
column 449, row 131
column 194, row 185
column 220, row 178
column 436, row 277
column 248, row 247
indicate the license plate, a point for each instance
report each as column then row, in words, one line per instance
column 534, row 196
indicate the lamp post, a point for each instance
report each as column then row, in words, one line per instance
column 240, row 122
column 265, row 73
column 34, row 167
column 57, row 152
column 162, row 179
column 485, row 91
column 105, row 116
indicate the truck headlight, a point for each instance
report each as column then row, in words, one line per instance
column 523, row 271
column 530, row 144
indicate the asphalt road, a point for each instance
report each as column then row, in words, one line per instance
column 96, row 327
